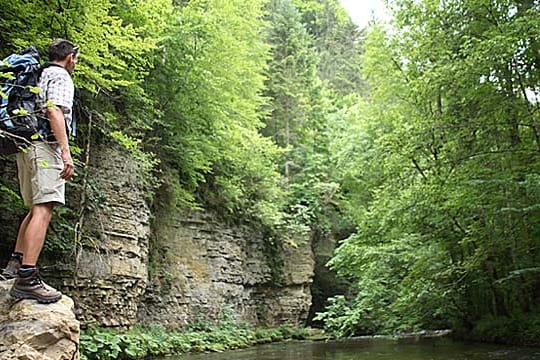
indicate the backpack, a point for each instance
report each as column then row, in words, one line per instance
column 18, row 113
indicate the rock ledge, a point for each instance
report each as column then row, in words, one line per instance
column 33, row 331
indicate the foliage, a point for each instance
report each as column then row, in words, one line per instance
column 209, row 81
column 138, row 343
column 441, row 170
column 337, row 42
column 301, row 107
column 518, row 328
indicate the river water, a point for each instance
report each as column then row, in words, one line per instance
column 374, row 349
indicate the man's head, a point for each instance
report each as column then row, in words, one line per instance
column 65, row 53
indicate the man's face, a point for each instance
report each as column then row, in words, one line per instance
column 72, row 61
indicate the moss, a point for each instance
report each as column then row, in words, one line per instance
column 273, row 251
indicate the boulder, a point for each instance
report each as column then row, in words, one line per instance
column 33, row 331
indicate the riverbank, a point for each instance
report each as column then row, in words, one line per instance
column 139, row 343
column 518, row 329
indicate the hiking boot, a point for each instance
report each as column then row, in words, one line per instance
column 29, row 285
column 12, row 269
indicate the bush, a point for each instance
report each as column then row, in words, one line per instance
column 518, row 329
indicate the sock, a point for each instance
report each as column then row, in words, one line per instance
column 17, row 256
column 27, row 270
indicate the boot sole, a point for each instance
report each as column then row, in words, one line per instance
column 18, row 294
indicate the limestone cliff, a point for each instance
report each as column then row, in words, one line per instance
column 198, row 265
column 108, row 274
column 202, row 266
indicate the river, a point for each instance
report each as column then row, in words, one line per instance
column 374, row 349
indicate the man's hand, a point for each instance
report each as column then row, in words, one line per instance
column 68, row 170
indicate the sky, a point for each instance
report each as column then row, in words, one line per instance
column 361, row 11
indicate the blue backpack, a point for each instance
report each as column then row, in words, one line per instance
column 19, row 74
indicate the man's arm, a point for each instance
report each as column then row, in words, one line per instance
column 58, row 127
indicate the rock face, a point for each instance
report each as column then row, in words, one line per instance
column 202, row 267
column 32, row 331
column 190, row 266
column 109, row 272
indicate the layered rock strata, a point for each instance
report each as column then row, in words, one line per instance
column 203, row 268
column 108, row 273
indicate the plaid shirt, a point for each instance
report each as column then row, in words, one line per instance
column 56, row 86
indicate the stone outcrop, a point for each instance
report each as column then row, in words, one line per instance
column 290, row 302
column 32, row 331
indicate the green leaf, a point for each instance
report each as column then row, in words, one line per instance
column 34, row 90
column 20, row 112
column 7, row 75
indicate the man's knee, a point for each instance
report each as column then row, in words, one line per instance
column 42, row 211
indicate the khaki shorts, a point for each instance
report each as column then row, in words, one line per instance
column 39, row 170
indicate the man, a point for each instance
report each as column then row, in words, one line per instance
column 43, row 170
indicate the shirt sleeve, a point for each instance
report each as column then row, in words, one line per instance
column 60, row 92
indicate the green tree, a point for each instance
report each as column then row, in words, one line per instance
column 337, row 41
column 448, row 231
column 300, row 109
column 209, row 80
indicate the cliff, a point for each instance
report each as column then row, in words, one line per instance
column 183, row 266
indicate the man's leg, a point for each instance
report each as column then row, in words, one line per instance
column 20, row 234
column 15, row 262
column 28, row 284
column 34, row 231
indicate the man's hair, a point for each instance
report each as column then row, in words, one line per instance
column 61, row 48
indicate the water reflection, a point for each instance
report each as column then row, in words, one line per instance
column 375, row 349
